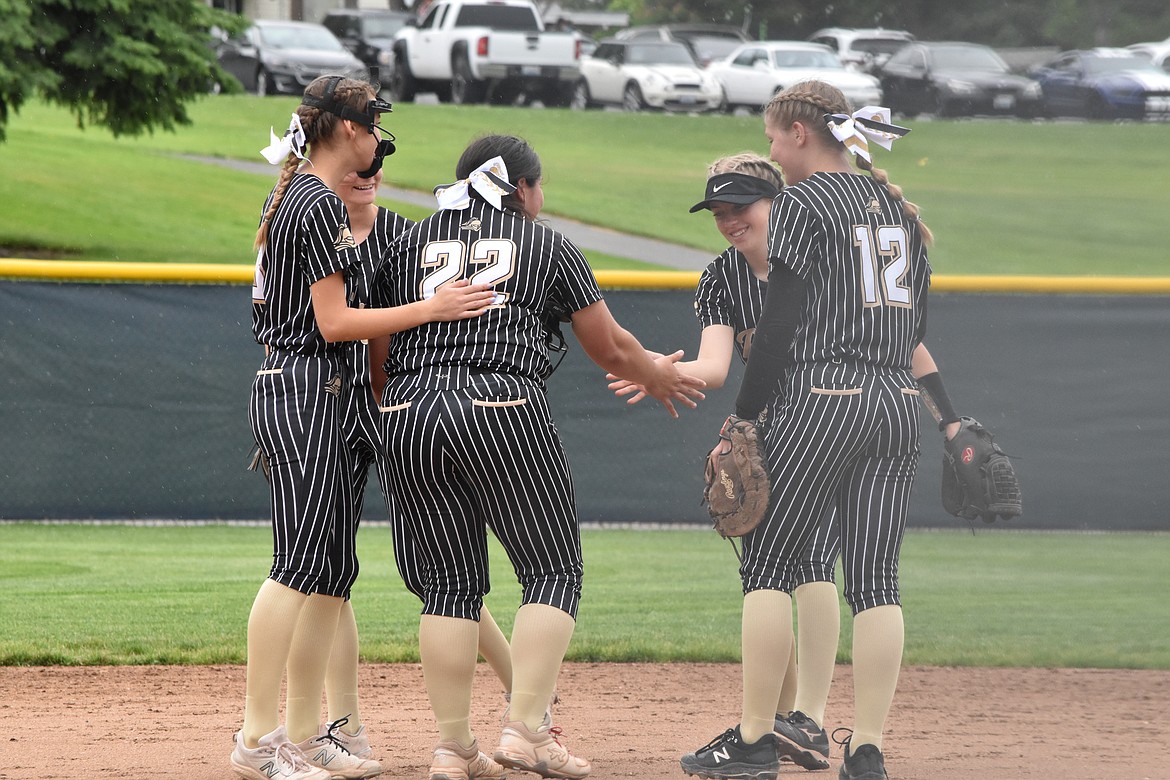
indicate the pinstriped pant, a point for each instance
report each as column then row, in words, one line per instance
column 462, row 461
column 819, row 559
column 294, row 412
column 361, row 429
column 846, row 438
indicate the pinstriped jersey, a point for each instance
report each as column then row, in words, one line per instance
column 865, row 266
column 530, row 266
column 308, row 239
column 729, row 293
column 359, row 282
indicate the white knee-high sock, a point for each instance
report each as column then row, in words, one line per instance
column 818, row 629
column 539, row 640
column 307, row 659
column 878, row 636
column 767, row 641
column 271, row 625
column 448, row 649
column 787, row 702
column 341, row 675
column 494, row 648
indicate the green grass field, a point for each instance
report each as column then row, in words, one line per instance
column 114, row 594
column 1003, row 197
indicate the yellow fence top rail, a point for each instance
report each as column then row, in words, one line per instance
column 211, row 273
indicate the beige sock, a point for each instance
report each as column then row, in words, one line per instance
column 341, row 675
column 271, row 625
column 494, row 648
column 308, row 658
column 818, row 627
column 787, row 701
column 448, row 649
column 766, row 641
column 878, row 635
column 540, row 638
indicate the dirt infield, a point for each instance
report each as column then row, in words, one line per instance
column 631, row 720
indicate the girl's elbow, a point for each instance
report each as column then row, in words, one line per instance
column 331, row 331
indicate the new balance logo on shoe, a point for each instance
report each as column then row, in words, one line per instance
column 322, row 758
column 270, row 769
column 728, row 757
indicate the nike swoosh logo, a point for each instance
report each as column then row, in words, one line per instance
column 718, row 187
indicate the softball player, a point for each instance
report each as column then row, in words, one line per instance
column 832, row 363
column 300, row 314
column 374, row 228
column 470, row 444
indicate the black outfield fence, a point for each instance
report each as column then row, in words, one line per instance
column 129, row 401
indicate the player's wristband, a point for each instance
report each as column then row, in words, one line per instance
column 936, row 399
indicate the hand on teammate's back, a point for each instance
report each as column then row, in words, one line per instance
column 669, row 386
column 460, row 300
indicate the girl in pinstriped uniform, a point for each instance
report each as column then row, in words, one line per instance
column 300, row 315
column 728, row 301
column 833, row 363
column 374, row 228
column 471, row 444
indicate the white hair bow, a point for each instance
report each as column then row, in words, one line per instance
column 871, row 123
column 293, row 141
column 490, row 180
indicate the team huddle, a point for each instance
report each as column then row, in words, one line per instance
column 417, row 347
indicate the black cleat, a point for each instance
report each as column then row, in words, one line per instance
column 728, row 757
column 803, row 741
column 866, row 763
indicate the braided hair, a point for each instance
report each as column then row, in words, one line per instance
column 808, row 102
column 318, row 125
column 749, row 164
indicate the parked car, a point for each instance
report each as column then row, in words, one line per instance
column 864, row 49
column 1104, row 84
column 756, row 71
column 950, row 78
column 476, row 50
column 641, row 74
column 707, row 42
column 1159, row 53
column 272, row 56
column 368, row 33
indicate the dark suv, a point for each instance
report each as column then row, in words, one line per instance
column 368, row 34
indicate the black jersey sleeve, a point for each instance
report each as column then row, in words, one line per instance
column 772, row 343
column 713, row 299
column 575, row 286
column 329, row 244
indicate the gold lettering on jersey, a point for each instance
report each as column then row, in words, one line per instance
column 874, row 206
column 744, row 339
column 344, row 239
column 333, row 386
column 472, row 224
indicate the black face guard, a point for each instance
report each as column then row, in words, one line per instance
column 367, row 119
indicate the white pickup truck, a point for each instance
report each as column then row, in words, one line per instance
column 470, row 51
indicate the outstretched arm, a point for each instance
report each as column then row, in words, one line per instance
column 716, row 346
column 615, row 349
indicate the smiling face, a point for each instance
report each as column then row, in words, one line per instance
column 356, row 191
column 744, row 227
